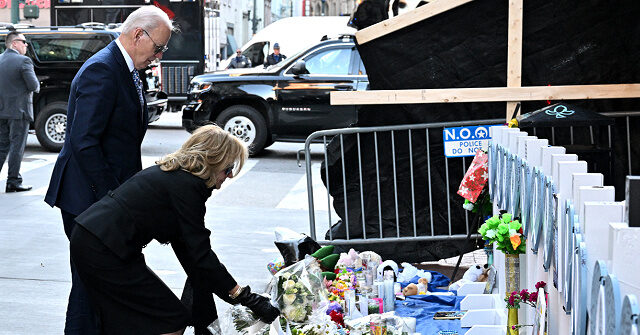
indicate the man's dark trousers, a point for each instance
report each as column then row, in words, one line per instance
column 81, row 318
column 13, row 138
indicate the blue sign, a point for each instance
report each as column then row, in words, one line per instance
column 465, row 141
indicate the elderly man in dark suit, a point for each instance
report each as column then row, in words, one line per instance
column 18, row 81
column 106, row 122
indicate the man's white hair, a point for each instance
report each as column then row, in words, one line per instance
column 147, row 18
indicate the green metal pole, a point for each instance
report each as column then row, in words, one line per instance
column 15, row 11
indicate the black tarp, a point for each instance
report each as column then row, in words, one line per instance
column 564, row 43
column 563, row 115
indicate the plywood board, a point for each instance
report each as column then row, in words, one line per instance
column 433, row 8
column 486, row 94
column 514, row 56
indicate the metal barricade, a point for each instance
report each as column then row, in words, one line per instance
column 394, row 133
column 624, row 120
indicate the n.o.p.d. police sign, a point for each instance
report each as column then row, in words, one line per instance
column 465, row 141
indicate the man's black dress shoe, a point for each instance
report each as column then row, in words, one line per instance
column 17, row 188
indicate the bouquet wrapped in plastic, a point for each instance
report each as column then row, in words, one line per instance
column 475, row 178
column 239, row 320
column 298, row 290
column 378, row 324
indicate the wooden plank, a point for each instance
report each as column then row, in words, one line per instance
column 486, row 94
column 514, row 52
column 433, row 8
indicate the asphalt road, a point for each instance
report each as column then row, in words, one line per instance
column 270, row 192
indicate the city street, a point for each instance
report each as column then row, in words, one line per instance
column 34, row 268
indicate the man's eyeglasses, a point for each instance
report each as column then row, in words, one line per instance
column 157, row 48
column 228, row 170
column 23, row 41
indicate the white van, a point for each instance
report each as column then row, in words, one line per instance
column 293, row 34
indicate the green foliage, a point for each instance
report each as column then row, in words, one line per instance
column 505, row 232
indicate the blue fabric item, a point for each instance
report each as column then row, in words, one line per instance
column 423, row 308
column 437, row 280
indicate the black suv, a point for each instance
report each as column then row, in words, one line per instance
column 285, row 102
column 57, row 54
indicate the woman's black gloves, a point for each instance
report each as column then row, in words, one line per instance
column 258, row 304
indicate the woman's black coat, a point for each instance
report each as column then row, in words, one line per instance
column 170, row 208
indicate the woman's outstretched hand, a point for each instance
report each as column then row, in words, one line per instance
column 258, row 304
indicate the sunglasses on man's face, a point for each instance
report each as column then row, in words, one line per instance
column 157, row 48
column 23, row 41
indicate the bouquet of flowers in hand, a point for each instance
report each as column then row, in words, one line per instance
column 299, row 290
column 505, row 232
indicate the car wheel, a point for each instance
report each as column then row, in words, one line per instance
column 247, row 124
column 51, row 125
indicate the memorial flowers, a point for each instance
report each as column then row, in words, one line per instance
column 505, row 232
column 524, row 297
column 299, row 290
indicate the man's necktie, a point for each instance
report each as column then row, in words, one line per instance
column 138, row 83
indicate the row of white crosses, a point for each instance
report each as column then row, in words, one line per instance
column 577, row 239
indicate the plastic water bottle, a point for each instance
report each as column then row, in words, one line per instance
column 389, row 300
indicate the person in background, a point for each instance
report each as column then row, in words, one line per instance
column 239, row 61
column 276, row 57
column 165, row 202
column 18, row 81
column 106, row 123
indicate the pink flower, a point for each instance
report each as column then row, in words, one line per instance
column 513, row 327
column 512, row 300
column 540, row 284
column 524, row 294
column 533, row 297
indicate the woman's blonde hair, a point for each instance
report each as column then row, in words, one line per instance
column 207, row 152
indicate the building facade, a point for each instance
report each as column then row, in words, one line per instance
column 43, row 5
column 330, row 7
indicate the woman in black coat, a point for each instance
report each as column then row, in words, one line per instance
column 165, row 202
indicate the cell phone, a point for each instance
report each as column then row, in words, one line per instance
column 453, row 315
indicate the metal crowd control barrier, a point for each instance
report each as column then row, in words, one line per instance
column 395, row 133
column 624, row 120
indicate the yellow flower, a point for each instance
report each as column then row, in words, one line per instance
column 289, row 298
column 288, row 284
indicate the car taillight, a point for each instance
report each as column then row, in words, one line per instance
column 157, row 72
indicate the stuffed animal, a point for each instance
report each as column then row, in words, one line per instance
column 350, row 259
column 411, row 289
column 474, row 273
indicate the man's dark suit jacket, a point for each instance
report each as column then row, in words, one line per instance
column 170, row 208
column 105, row 128
column 18, row 81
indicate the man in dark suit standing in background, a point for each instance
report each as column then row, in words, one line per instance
column 106, row 122
column 18, row 81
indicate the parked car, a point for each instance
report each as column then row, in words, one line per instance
column 57, row 54
column 285, row 102
column 292, row 34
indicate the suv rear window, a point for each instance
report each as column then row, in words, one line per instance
column 66, row 49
